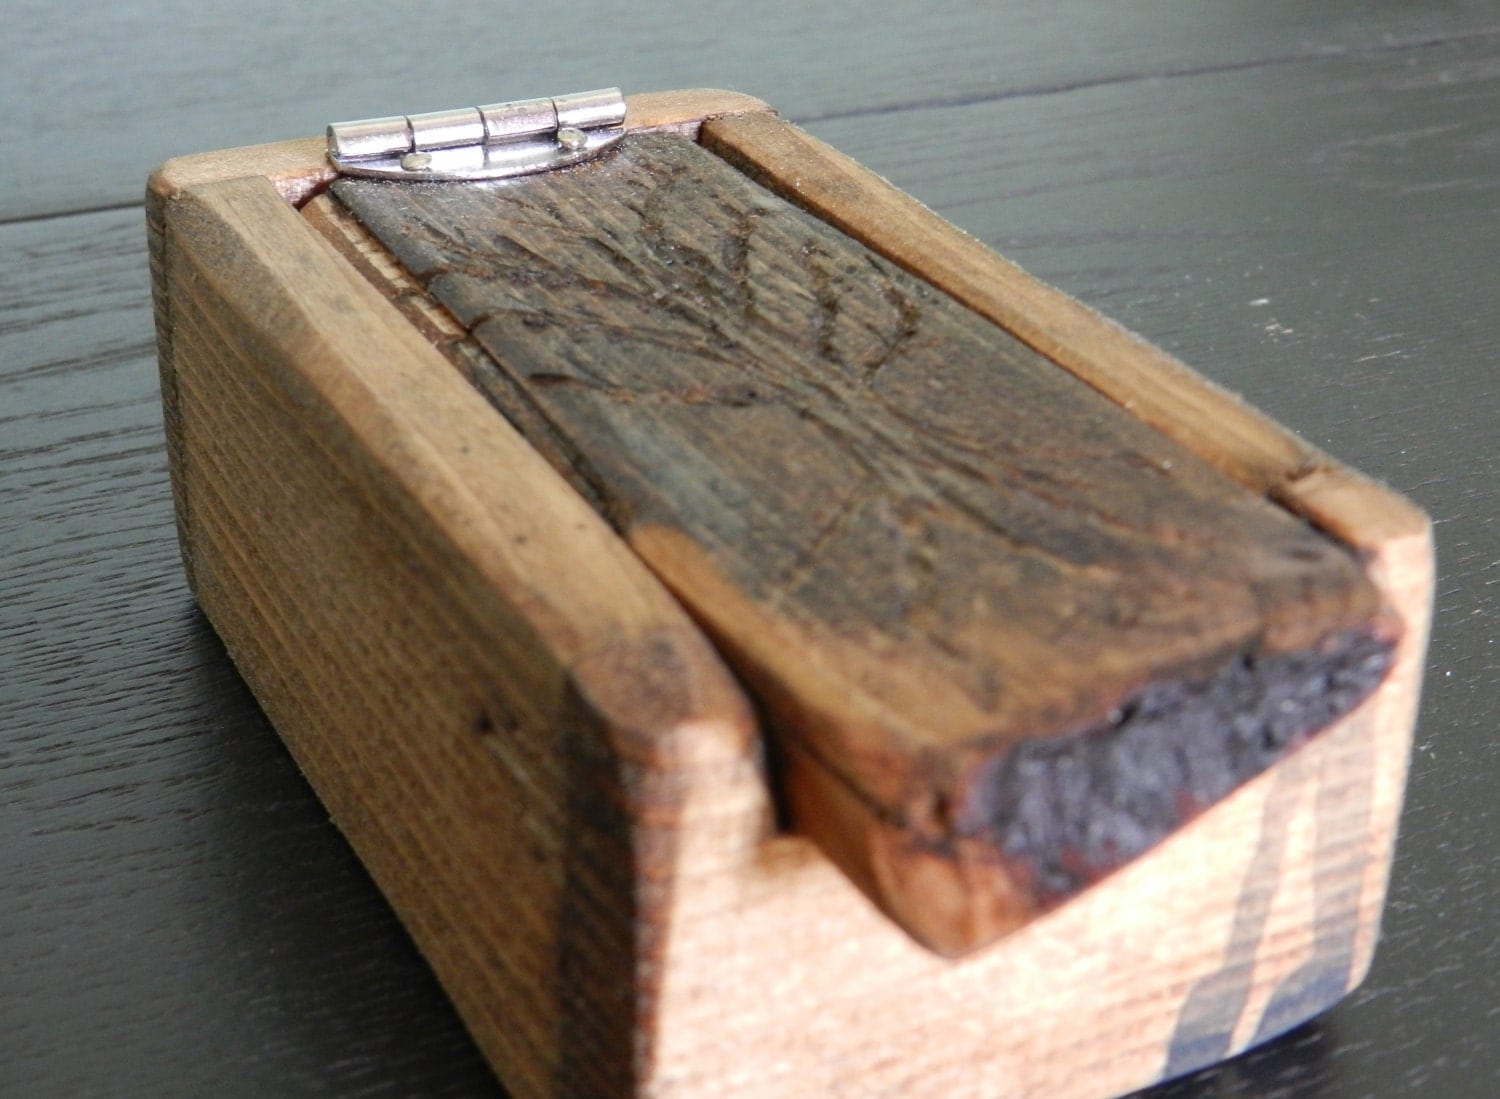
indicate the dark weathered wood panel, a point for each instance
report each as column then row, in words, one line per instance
column 94, row 102
column 923, row 543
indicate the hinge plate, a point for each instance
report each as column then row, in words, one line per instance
column 493, row 142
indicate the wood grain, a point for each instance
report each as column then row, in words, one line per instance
column 948, row 569
column 177, row 914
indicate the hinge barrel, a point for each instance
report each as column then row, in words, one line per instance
column 446, row 129
column 495, row 141
column 370, row 137
column 521, row 118
column 591, row 110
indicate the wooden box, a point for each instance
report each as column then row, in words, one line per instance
column 551, row 771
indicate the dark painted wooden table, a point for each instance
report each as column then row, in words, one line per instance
column 1301, row 200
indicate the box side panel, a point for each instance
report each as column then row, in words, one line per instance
column 513, row 794
column 384, row 690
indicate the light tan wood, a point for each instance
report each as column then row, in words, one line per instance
column 312, row 509
column 556, row 783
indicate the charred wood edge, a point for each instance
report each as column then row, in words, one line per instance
column 1064, row 811
column 1058, row 813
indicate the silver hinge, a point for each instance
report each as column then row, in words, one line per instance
column 503, row 139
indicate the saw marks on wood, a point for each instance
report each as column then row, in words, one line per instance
column 1002, row 628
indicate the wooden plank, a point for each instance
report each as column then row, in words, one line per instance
column 955, row 574
column 520, row 791
column 182, row 78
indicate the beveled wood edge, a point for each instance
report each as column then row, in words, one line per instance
column 423, row 441
column 1146, row 381
column 298, row 169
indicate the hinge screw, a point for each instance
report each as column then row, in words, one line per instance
column 571, row 137
column 416, row 162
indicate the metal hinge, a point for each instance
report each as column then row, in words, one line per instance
column 503, row 139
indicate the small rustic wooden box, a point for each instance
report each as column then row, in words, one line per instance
column 552, row 775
